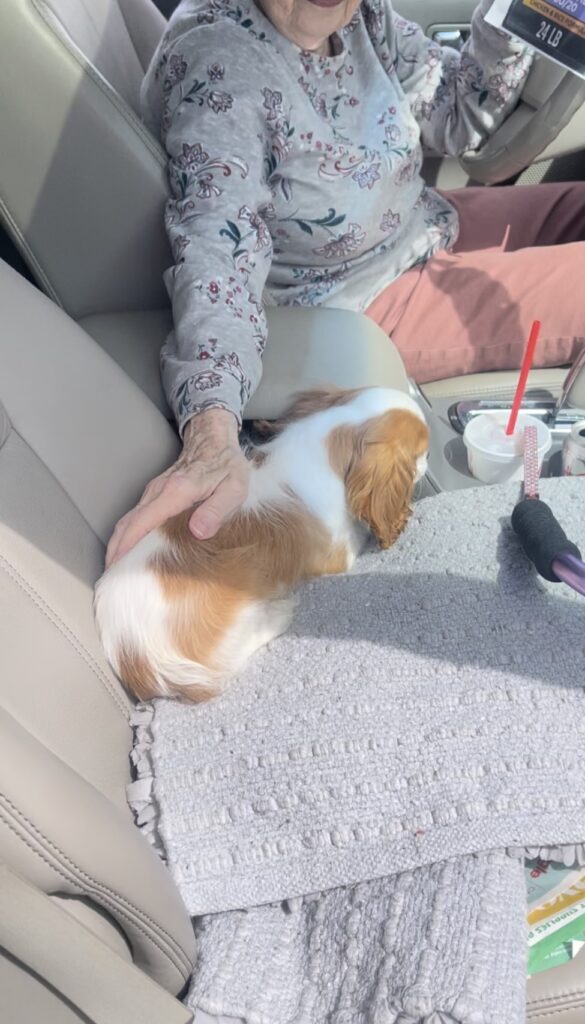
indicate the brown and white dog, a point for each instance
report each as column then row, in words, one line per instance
column 177, row 616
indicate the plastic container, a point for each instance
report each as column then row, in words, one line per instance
column 574, row 451
column 492, row 456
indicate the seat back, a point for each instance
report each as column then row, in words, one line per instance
column 65, row 733
column 82, row 183
column 117, row 37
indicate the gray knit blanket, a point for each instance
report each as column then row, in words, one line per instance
column 347, row 823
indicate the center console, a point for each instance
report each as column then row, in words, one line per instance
column 448, row 416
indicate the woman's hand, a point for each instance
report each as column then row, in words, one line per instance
column 211, row 470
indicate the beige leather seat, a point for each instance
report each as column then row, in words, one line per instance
column 82, row 189
column 90, row 925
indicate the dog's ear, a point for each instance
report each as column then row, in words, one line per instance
column 379, row 480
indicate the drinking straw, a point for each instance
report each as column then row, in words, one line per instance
column 524, row 371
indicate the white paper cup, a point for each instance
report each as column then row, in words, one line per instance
column 492, row 456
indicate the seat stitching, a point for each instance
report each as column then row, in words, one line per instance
column 544, row 1001
column 111, row 904
column 494, row 391
column 64, row 629
column 111, row 898
column 553, row 1009
column 30, row 258
column 5, row 426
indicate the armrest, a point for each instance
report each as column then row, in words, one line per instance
column 42, row 937
column 313, row 347
column 306, row 348
column 66, row 837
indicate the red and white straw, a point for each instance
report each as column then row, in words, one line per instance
column 527, row 361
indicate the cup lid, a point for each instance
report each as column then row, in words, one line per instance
column 485, row 433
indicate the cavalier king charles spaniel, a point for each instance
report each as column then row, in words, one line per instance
column 177, row 616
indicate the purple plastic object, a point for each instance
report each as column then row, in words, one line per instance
column 568, row 568
column 571, row 571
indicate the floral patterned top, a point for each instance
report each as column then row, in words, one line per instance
column 295, row 178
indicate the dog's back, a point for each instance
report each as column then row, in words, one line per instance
column 178, row 615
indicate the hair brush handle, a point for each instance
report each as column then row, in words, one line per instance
column 541, row 536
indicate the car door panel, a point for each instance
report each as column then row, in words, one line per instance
column 440, row 17
column 437, row 14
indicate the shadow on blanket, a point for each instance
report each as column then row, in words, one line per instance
column 458, row 620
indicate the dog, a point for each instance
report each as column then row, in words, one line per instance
column 178, row 616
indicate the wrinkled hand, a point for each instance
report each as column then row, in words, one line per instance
column 211, row 470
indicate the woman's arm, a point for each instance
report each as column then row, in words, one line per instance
column 459, row 98
column 214, row 133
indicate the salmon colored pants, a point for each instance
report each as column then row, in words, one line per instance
column 520, row 256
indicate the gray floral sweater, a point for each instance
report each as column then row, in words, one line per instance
column 295, row 179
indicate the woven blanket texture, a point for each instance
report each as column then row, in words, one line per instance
column 338, row 820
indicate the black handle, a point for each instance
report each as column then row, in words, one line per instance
column 542, row 537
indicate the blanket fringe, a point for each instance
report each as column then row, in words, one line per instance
column 140, row 792
column 572, row 855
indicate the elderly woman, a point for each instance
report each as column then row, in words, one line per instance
column 294, row 131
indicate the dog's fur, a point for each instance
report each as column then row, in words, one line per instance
column 177, row 616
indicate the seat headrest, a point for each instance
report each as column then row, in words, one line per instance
column 117, row 36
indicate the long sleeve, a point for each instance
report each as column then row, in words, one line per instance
column 459, row 98
column 216, row 142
